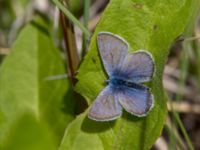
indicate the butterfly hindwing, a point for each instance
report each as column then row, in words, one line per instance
column 105, row 107
column 137, row 101
column 112, row 50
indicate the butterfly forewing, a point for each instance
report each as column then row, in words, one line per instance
column 138, row 67
column 136, row 101
column 112, row 50
column 105, row 107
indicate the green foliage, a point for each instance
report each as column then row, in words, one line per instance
column 23, row 87
column 150, row 25
column 34, row 112
column 28, row 134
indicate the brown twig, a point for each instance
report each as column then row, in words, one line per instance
column 72, row 59
column 70, row 45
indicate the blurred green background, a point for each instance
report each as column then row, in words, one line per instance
column 32, row 30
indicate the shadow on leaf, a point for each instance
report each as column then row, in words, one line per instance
column 91, row 126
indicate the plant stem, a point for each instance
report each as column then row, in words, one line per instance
column 71, row 17
column 172, row 130
column 72, row 58
column 190, row 145
column 71, row 50
column 183, row 130
column 86, row 13
column 86, row 20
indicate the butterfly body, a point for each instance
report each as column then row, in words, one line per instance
column 127, row 72
column 119, row 83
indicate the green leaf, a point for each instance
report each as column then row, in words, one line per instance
column 27, row 134
column 150, row 25
column 23, row 86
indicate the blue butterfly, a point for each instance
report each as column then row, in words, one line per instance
column 127, row 72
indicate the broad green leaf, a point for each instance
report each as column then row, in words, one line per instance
column 151, row 25
column 23, row 86
column 27, row 134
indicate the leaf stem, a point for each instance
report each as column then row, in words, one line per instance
column 71, row 17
